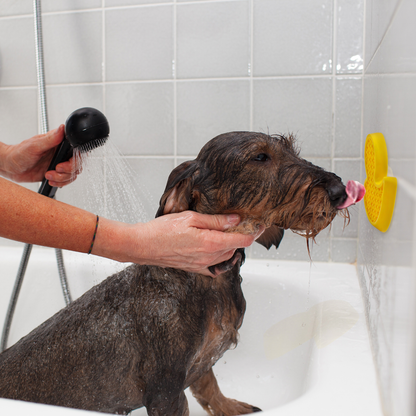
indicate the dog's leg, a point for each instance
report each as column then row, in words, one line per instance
column 209, row 396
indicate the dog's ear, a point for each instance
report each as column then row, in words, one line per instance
column 271, row 236
column 178, row 195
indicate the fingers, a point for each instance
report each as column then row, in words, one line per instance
column 59, row 181
column 216, row 222
column 220, row 242
column 65, row 173
column 49, row 140
column 223, row 223
column 54, row 137
column 69, row 167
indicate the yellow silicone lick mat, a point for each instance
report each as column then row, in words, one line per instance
column 380, row 189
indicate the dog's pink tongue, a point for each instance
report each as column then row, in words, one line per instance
column 355, row 193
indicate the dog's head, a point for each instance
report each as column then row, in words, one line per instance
column 261, row 178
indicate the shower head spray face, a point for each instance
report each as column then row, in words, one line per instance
column 86, row 129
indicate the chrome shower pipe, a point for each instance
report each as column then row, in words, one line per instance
column 45, row 125
column 44, row 128
column 37, row 14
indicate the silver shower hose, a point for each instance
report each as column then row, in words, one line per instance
column 28, row 247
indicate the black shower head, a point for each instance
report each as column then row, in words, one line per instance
column 86, row 129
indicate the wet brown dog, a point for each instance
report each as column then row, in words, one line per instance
column 145, row 334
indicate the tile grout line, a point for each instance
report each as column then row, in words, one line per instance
column 190, row 80
column 251, row 82
column 175, row 92
column 103, row 55
column 125, row 7
column 104, row 96
column 364, row 29
column 334, row 79
column 398, row 4
column 251, row 40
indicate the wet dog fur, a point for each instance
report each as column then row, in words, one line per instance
column 145, row 334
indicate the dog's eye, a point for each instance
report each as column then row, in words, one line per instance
column 262, row 157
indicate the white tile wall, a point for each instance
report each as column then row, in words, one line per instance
column 65, row 5
column 18, row 108
column 170, row 75
column 17, row 52
column 141, row 117
column 395, row 54
column 292, row 37
column 386, row 261
column 208, row 108
column 13, row 8
column 213, row 39
column 138, row 43
column 299, row 105
column 380, row 14
column 347, row 135
column 349, row 19
column 73, row 47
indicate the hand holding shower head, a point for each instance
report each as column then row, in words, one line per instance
column 85, row 130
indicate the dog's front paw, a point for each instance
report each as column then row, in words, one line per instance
column 229, row 407
column 209, row 396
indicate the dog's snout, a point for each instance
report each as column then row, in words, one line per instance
column 336, row 193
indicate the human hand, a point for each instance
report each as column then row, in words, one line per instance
column 29, row 160
column 191, row 241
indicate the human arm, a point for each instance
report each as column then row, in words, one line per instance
column 189, row 241
column 28, row 161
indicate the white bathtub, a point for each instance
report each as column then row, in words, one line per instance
column 303, row 350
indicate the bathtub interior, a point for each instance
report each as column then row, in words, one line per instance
column 324, row 362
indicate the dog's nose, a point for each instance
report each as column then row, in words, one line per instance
column 336, row 193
